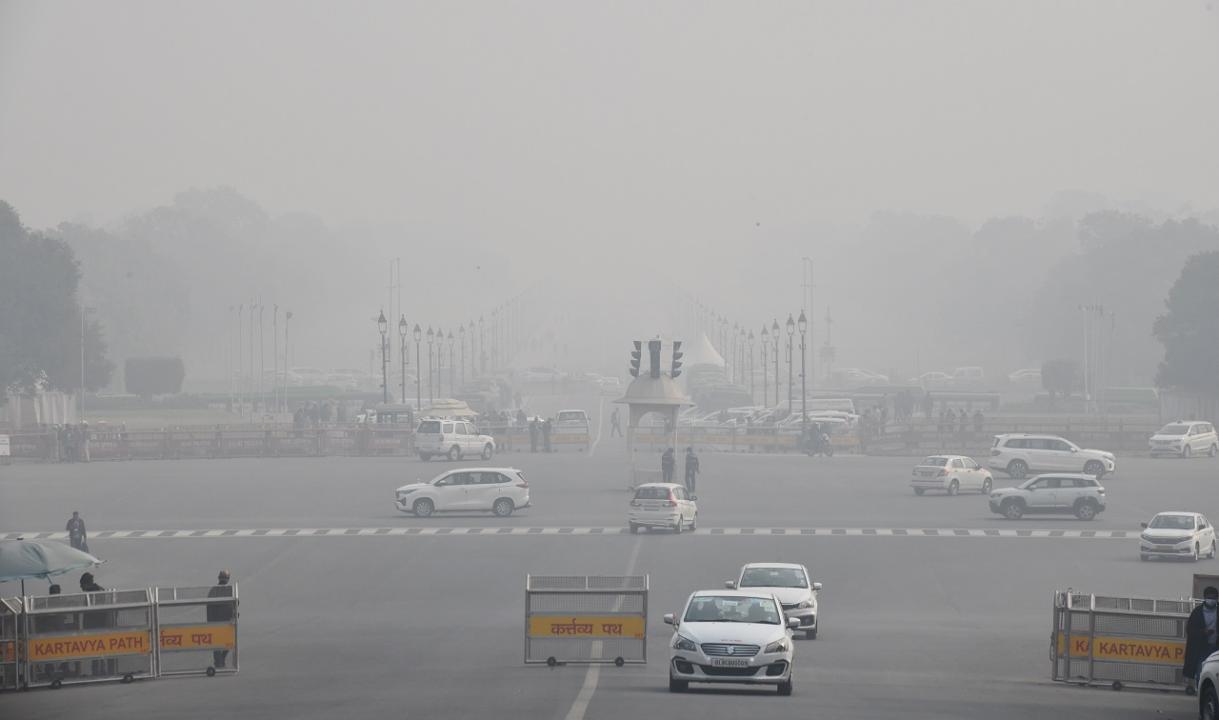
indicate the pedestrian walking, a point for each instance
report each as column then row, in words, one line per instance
column 615, row 424
column 77, row 535
column 533, row 435
column 692, row 469
column 667, row 463
column 979, row 420
column 546, row 435
column 220, row 612
column 1201, row 636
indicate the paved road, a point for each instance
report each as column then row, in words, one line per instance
column 429, row 624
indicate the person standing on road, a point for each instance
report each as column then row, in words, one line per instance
column 667, row 463
column 691, row 469
column 546, row 435
column 77, row 534
column 220, row 612
column 533, row 435
column 615, row 424
column 979, row 420
column 1201, row 636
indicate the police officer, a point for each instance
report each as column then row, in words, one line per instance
column 220, row 612
column 692, row 469
column 667, row 464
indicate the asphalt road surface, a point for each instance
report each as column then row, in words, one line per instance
column 366, row 612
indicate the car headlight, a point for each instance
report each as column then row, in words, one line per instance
column 1144, row 538
column 777, row 646
column 805, row 604
column 684, row 643
column 403, row 493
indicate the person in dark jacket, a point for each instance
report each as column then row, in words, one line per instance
column 220, row 612
column 1201, row 636
column 77, row 535
column 534, row 429
column 546, row 435
column 667, row 464
column 691, row 469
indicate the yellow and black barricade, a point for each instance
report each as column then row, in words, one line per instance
column 586, row 619
column 197, row 630
column 88, row 637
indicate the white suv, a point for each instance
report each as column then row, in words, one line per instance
column 731, row 636
column 1019, row 454
column 495, row 490
column 790, row 584
column 1081, row 495
column 452, row 438
column 663, row 505
column 1185, row 439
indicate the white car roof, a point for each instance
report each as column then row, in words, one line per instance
column 950, row 457
column 480, row 469
column 1178, row 512
column 790, row 566
column 663, row 485
column 732, row 593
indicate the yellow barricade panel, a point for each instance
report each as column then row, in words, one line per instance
column 586, row 626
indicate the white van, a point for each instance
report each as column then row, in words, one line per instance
column 452, row 438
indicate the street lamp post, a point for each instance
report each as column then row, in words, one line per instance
column 452, row 390
column 791, row 330
column 765, row 337
column 402, row 326
column 753, row 385
column 418, row 371
column 482, row 347
column 461, row 334
column 803, row 322
column 774, row 339
column 383, row 326
column 431, row 390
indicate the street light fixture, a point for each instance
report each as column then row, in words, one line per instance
column 383, row 326
column 461, row 334
column 402, row 329
column 774, row 339
column 452, row 390
column 418, row 371
column 482, row 347
column 753, row 386
column 431, row 389
column 803, row 322
column 765, row 337
column 791, row 330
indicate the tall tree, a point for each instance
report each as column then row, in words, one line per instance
column 1189, row 329
column 41, row 326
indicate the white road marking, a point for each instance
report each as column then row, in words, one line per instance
column 585, row 696
column 519, row 531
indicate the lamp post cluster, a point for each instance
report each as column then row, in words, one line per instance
column 247, row 369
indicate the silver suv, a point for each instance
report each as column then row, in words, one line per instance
column 1020, row 454
column 1081, row 495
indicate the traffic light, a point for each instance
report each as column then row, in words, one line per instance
column 654, row 357
column 677, row 355
column 635, row 357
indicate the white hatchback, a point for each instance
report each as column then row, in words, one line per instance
column 663, row 505
column 731, row 636
column 950, row 473
column 1185, row 439
column 1185, row 535
column 496, row 490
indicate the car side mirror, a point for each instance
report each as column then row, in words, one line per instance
column 1074, row 449
column 793, row 623
column 669, row 619
column 816, row 587
column 730, row 584
column 1143, row 525
column 694, row 498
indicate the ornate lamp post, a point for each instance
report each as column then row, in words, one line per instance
column 461, row 335
column 765, row 337
column 791, row 330
column 774, row 339
column 803, row 323
column 383, row 327
column 418, row 371
column 452, row 390
column 402, row 328
column 431, row 385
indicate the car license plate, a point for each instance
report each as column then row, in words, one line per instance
column 729, row 662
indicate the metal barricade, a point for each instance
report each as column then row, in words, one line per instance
column 10, row 622
column 197, row 630
column 88, row 637
column 586, row 619
column 1118, row 640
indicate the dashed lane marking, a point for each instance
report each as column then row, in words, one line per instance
column 1055, row 534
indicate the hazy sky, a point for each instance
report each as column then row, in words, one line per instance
column 542, row 121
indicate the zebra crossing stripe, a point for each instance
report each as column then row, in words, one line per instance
column 1053, row 534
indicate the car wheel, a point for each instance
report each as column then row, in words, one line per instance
column 785, row 688
column 1187, row 451
column 676, row 685
column 811, row 634
column 694, row 522
column 1143, row 557
column 634, row 529
column 918, row 491
column 1095, row 468
column 454, row 453
column 1197, row 553
column 953, row 487
column 488, row 451
column 1018, row 469
column 1012, row 509
column 1213, row 451
column 986, row 486
column 502, row 507
column 425, row 456
column 1208, row 704
column 678, row 527
column 423, row 508
column 1212, row 554
column 1085, row 509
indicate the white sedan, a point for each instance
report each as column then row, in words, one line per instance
column 731, row 636
column 1177, row 535
column 495, row 490
column 950, row 473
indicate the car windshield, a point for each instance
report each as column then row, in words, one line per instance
column 652, row 493
column 774, row 577
column 1173, row 430
column 570, row 415
column 936, row 461
column 1172, row 522
column 719, row 608
column 429, row 426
